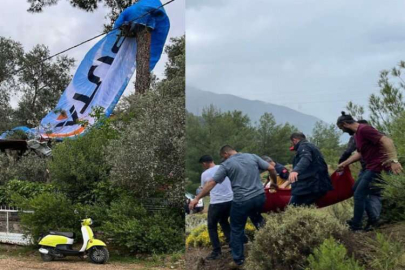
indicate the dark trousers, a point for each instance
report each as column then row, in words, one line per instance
column 366, row 197
column 373, row 201
column 219, row 213
column 240, row 211
column 305, row 200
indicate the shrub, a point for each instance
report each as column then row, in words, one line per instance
column 387, row 254
column 51, row 211
column 78, row 164
column 332, row 255
column 30, row 167
column 199, row 236
column 194, row 221
column 393, row 198
column 290, row 237
column 134, row 229
column 342, row 211
column 23, row 189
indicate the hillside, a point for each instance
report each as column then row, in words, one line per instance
column 197, row 100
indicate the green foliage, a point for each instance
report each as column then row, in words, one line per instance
column 134, row 229
column 332, row 255
column 397, row 135
column 199, row 236
column 29, row 167
column 78, row 165
column 148, row 160
column 393, row 198
column 387, row 254
column 326, row 138
column 51, row 211
column 274, row 140
column 195, row 220
column 24, row 189
column 342, row 211
column 289, row 238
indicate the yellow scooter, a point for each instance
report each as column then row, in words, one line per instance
column 59, row 245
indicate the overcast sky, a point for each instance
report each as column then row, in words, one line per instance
column 312, row 56
column 62, row 26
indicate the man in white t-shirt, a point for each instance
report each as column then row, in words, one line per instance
column 220, row 206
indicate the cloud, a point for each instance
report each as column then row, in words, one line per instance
column 312, row 56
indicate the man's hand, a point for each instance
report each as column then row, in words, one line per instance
column 396, row 168
column 293, row 177
column 341, row 166
column 192, row 204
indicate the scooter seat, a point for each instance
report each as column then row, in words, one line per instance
column 67, row 234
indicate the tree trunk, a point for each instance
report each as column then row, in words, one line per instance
column 143, row 40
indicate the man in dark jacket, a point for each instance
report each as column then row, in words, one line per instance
column 310, row 178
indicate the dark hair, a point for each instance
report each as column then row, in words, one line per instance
column 345, row 118
column 298, row 135
column 362, row 121
column 206, row 158
column 226, row 148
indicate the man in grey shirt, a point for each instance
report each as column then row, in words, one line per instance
column 248, row 193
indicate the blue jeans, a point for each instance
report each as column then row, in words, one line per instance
column 240, row 211
column 366, row 198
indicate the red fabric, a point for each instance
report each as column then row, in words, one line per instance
column 369, row 146
column 342, row 190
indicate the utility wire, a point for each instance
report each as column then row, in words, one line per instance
column 90, row 39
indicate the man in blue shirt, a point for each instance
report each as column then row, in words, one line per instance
column 243, row 171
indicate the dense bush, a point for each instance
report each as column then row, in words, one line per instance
column 393, row 198
column 134, row 229
column 78, row 165
column 29, row 167
column 51, row 211
column 195, row 220
column 22, row 189
column 342, row 211
column 199, row 236
column 332, row 255
column 290, row 237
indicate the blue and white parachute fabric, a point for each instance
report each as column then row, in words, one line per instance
column 104, row 73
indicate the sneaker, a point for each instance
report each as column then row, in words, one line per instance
column 213, row 256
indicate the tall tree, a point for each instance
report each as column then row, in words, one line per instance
column 40, row 85
column 326, row 138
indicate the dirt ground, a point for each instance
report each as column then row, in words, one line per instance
column 12, row 258
column 195, row 259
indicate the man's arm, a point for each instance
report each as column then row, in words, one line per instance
column 353, row 158
column 305, row 161
column 391, row 154
column 204, row 192
column 351, row 147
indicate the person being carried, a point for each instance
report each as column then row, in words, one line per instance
column 379, row 154
column 243, row 170
column 309, row 178
column 282, row 175
column 221, row 197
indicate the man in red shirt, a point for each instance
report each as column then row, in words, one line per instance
column 379, row 154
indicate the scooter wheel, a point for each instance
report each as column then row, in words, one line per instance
column 47, row 257
column 99, row 255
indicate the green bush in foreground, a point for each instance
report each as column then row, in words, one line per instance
column 51, row 211
column 393, row 198
column 290, row 237
column 387, row 254
column 134, row 229
column 25, row 189
column 332, row 256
